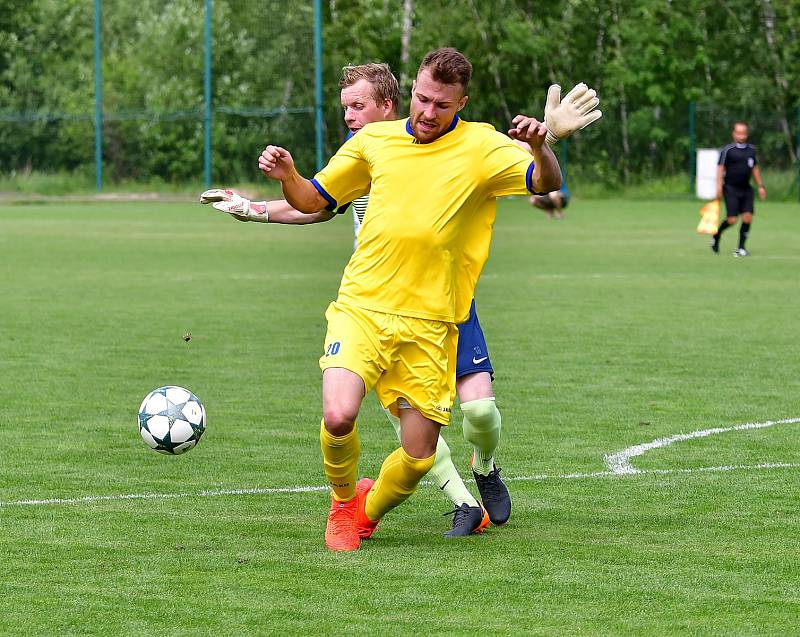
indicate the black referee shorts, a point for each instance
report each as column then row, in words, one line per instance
column 737, row 200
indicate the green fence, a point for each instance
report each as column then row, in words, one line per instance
column 168, row 91
column 191, row 90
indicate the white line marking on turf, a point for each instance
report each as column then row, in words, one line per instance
column 163, row 496
column 657, row 472
column 620, row 463
column 89, row 499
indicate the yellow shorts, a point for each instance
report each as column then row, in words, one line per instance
column 398, row 356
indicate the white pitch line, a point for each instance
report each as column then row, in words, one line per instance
column 620, row 463
column 162, row 496
column 89, row 499
column 657, row 472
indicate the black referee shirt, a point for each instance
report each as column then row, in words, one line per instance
column 738, row 160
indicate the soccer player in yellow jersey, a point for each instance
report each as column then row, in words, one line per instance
column 370, row 93
column 433, row 180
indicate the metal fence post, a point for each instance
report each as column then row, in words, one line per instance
column 207, row 98
column 98, row 101
column 692, row 144
column 318, row 79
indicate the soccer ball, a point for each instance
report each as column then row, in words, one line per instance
column 171, row 420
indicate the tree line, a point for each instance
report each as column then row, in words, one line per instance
column 648, row 59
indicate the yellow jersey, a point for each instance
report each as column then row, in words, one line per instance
column 428, row 225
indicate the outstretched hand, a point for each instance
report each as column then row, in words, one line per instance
column 574, row 112
column 235, row 205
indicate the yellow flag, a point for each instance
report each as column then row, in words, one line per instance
column 709, row 222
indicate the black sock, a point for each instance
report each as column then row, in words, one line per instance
column 743, row 232
column 722, row 227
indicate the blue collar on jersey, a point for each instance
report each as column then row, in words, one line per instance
column 453, row 124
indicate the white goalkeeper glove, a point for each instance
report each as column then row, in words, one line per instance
column 574, row 112
column 235, row 205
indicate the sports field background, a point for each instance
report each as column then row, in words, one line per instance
column 609, row 329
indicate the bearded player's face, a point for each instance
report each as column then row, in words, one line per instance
column 433, row 106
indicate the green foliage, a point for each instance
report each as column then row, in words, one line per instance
column 647, row 58
column 55, row 183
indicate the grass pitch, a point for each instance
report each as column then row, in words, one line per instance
column 612, row 328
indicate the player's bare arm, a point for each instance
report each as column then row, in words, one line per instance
column 281, row 211
column 277, row 163
column 762, row 192
column 720, row 177
column 546, row 172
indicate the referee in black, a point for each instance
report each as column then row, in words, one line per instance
column 737, row 161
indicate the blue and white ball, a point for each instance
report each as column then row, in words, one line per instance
column 171, row 420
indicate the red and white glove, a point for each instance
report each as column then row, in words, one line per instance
column 574, row 112
column 235, row 205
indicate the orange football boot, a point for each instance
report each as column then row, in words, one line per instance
column 340, row 533
column 364, row 526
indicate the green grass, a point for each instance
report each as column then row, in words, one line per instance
column 18, row 187
column 80, row 185
column 781, row 186
column 611, row 328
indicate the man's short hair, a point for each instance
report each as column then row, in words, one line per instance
column 448, row 66
column 740, row 123
column 380, row 76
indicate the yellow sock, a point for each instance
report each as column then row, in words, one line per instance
column 398, row 479
column 340, row 459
